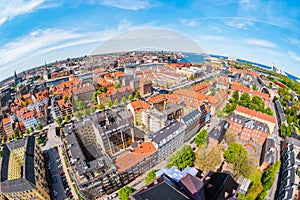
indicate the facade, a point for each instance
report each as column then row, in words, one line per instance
column 30, row 120
column 258, row 116
column 84, row 93
column 137, row 108
column 7, row 126
column 65, row 108
column 288, row 179
column 145, row 87
column 54, row 109
column 203, row 87
column 268, row 153
column 248, row 129
column 217, row 134
column 281, row 119
column 23, row 173
column 168, row 140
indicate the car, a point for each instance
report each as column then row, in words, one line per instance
column 67, row 189
column 54, row 179
column 115, row 195
column 62, row 173
column 68, row 193
column 58, row 160
column 59, row 166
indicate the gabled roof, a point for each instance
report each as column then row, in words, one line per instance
column 253, row 113
column 139, row 105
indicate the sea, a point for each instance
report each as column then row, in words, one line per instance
column 200, row 58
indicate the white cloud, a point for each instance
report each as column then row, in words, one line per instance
column 244, row 1
column 259, row 42
column 212, row 37
column 12, row 8
column 33, row 42
column 239, row 24
column 294, row 56
column 127, row 4
column 189, row 22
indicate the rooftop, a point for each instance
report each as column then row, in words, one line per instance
column 254, row 113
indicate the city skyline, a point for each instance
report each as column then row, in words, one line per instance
column 35, row 32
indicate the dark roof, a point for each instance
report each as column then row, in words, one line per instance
column 27, row 181
column 193, row 186
column 166, row 131
column 165, row 190
column 218, row 132
column 219, row 186
column 269, row 151
column 191, row 117
column 249, row 123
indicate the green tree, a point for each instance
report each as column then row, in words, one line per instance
column 124, row 100
column 116, row 102
column 27, row 132
column 269, row 175
column 81, row 105
column 285, row 131
column 77, row 114
column 117, row 84
column 85, row 112
column 245, row 100
column 59, row 121
column 208, row 158
column 137, row 95
column 130, row 97
column 67, row 118
column 201, row 138
column 236, row 96
column 66, row 98
column 15, row 136
column 101, row 107
column 39, row 126
column 257, row 103
column 20, row 134
column 183, row 158
column 269, row 111
column 95, row 94
column 254, row 87
column 233, row 150
column 109, row 104
column 104, row 89
column 124, row 192
column 150, row 176
column 241, row 165
column 92, row 109
column 31, row 129
column 230, row 107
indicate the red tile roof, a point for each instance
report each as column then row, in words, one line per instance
column 28, row 115
column 256, row 114
column 6, row 120
column 139, row 105
column 201, row 86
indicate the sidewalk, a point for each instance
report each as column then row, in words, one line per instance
column 65, row 169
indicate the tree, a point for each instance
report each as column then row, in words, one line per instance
column 117, row 84
column 66, row 98
column 77, row 114
column 124, row 192
column 95, row 94
column 269, row 176
column 137, row 95
column 15, row 136
column 109, row 104
column 124, row 100
column 285, row 130
column 245, row 100
column 150, row 176
column 183, row 158
column 116, row 102
column 254, row 87
column 59, row 121
column 235, row 96
column 31, row 129
column 27, row 132
column 101, row 107
column 92, row 109
column 85, row 112
column 257, row 103
column 241, row 165
column 269, row 111
column 67, row 118
column 20, row 134
column 104, row 89
column 130, row 97
column 233, row 150
column 207, row 158
column 201, row 138
column 81, row 105
column 39, row 126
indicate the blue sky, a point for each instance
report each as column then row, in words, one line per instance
column 33, row 32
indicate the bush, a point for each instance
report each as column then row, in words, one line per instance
column 150, row 176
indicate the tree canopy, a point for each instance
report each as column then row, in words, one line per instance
column 109, row 104
column 183, row 158
column 101, row 107
column 117, row 84
column 39, row 126
column 150, row 176
column 59, row 120
column 201, row 138
column 124, row 192
column 234, row 149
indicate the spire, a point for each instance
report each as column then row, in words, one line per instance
column 15, row 75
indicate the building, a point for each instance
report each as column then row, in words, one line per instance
column 168, row 140
column 23, row 173
column 248, row 129
column 268, row 153
column 133, row 163
column 194, row 121
column 217, row 134
column 173, row 184
column 258, row 116
column 85, row 92
column 203, row 87
column 219, row 186
column 137, row 108
column 145, row 87
column 288, row 180
column 54, row 109
column 281, row 119
column 7, row 126
column 65, row 108
column 30, row 120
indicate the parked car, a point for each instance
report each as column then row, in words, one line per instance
column 62, row 173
